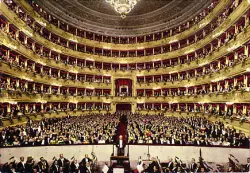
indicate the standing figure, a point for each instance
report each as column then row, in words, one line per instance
column 43, row 165
column 21, row 165
column 120, row 144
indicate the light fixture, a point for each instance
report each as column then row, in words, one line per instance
column 123, row 7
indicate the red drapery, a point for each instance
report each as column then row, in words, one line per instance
column 123, row 82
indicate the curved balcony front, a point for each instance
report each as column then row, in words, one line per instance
column 232, row 18
column 202, row 24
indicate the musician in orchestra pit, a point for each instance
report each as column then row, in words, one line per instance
column 74, row 167
column 61, row 170
column 202, row 170
column 248, row 165
column 156, row 169
column 63, row 162
column 153, row 166
column 43, row 165
column 175, row 167
column 86, row 159
column 21, row 165
column 85, row 168
column 193, row 165
column 88, row 167
column 29, row 165
column 179, row 170
column 199, row 168
column 170, row 164
column 120, row 144
column 10, row 168
column 55, row 167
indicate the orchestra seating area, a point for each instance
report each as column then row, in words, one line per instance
column 186, row 86
column 100, row 129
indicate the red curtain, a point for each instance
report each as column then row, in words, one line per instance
column 121, row 82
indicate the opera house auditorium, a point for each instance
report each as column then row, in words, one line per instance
column 124, row 86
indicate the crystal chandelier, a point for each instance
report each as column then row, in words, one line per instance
column 123, row 7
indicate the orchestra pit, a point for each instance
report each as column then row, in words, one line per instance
column 124, row 86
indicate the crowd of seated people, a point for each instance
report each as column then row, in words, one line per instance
column 220, row 19
column 148, row 79
column 202, row 54
column 90, row 164
column 194, row 74
column 100, row 128
column 58, row 165
column 19, row 113
column 208, row 110
column 91, row 36
column 176, row 165
column 190, row 92
column 163, row 78
column 66, row 75
column 13, row 89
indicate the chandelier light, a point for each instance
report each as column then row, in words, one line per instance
column 123, row 7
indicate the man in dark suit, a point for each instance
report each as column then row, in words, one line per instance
column 85, row 168
column 86, row 160
column 21, row 165
column 193, row 165
column 43, row 165
column 248, row 165
column 170, row 164
column 62, row 162
column 74, row 167
column 120, row 144
column 55, row 167
column 10, row 169
column 234, row 142
column 9, row 166
column 152, row 166
column 29, row 165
